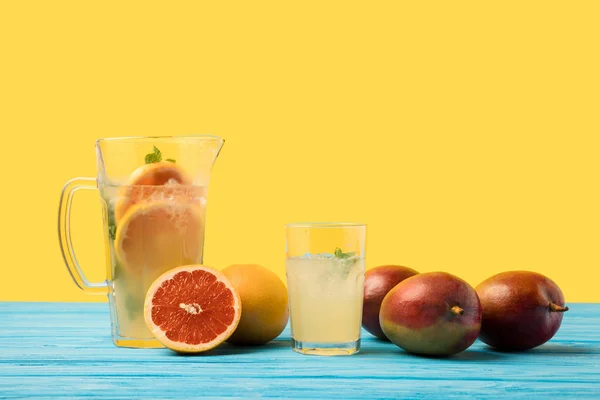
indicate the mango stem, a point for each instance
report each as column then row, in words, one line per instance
column 456, row 310
column 556, row 308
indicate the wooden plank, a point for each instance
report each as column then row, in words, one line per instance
column 64, row 349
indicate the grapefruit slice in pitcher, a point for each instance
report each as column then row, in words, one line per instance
column 155, row 237
column 152, row 182
column 192, row 309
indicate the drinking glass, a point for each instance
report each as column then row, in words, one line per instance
column 325, row 269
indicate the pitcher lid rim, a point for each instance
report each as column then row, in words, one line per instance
column 140, row 138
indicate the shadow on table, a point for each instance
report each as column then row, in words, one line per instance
column 471, row 355
column 554, row 350
column 227, row 349
column 465, row 356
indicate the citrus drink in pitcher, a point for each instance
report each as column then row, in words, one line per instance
column 154, row 218
column 152, row 228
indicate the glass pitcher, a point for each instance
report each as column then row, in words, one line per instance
column 153, row 192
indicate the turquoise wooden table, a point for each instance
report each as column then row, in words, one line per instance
column 51, row 350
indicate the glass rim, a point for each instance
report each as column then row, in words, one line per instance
column 325, row 225
column 192, row 137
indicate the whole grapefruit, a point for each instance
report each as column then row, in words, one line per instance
column 264, row 303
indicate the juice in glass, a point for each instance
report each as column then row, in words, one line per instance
column 326, row 294
column 325, row 289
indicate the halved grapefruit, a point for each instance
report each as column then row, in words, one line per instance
column 191, row 309
column 157, row 181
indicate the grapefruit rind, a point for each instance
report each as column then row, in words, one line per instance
column 265, row 301
column 182, row 347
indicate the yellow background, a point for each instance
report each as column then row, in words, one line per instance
column 466, row 134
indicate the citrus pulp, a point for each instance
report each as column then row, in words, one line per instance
column 191, row 309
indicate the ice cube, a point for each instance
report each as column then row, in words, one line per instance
column 172, row 182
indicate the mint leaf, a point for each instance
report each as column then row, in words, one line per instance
column 112, row 231
column 133, row 306
column 338, row 253
column 112, row 225
column 347, row 260
column 171, row 160
column 153, row 157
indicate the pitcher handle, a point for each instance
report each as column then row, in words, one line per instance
column 64, row 236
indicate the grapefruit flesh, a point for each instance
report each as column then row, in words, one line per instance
column 192, row 309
